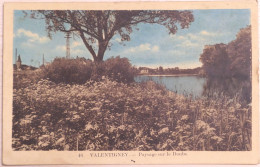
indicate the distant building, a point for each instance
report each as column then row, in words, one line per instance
column 19, row 63
column 18, row 66
column 145, row 71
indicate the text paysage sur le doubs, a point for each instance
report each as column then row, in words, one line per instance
column 140, row 154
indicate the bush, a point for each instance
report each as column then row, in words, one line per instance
column 119, row 69
column 25, row 78
column 70, row 71
column 80, row 70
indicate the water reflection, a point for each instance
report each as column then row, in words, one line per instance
column 231, row 87
column 198, row 86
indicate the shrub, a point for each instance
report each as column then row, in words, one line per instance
column 78, row 71
column 70, row 71
column 22, row 79
column 98, row 71
column 119, row 69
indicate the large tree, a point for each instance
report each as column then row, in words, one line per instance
column 240, row 53
column 96, row 28
column 232, row 59
column 215, row 60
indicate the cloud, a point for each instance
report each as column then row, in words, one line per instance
column 61, row 48
column 143, row 48
column 193, row 36
column 77, row 52
column 194, row 39
column 155, row 48
column 188, row 36
column 26, row 44
column 76, row 44
column 177, row 37
column 176, row 52
column 181, row 37
column 198, row 39
column 118, row 40
column 206, row 33
column 73, row 51
column 32, row 37
column 188, row 43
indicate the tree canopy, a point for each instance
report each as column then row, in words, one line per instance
column 240, row 53
column 232, row 59
column 97, row 28
column 215, row 60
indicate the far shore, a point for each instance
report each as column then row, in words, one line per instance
column 169, row 75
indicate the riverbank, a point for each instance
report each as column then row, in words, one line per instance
column 168, row 75
column 108, row 115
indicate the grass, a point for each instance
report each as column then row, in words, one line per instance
column 108, row 115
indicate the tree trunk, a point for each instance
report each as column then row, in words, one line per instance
column 102, row 47
column 97, row 58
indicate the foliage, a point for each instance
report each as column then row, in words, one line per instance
column 69, row 70
column 215, row 60
column 97, row 28
column 24, row 78
column 240, row 52
column 168, row 71
column 80, row 70
column 230, row 87
column 231, row 60
column 108, row 115
column 160, row 70
column 119, row 69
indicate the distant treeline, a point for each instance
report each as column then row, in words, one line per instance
column 168, row 71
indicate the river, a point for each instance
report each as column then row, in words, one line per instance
column 186, row 85
column 197, row 86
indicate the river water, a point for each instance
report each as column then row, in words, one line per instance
column 196, row 86
column 186, row 85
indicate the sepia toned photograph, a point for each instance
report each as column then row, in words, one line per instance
column 179, row 81
column 156, row 80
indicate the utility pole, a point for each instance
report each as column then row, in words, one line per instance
column 68, row 45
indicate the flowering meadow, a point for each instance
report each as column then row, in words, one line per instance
column 108, row 115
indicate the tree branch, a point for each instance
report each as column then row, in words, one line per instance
column 89, row 47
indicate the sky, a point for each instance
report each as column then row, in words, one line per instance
column 150, row 46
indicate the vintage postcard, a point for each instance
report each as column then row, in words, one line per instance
column 130, row 83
